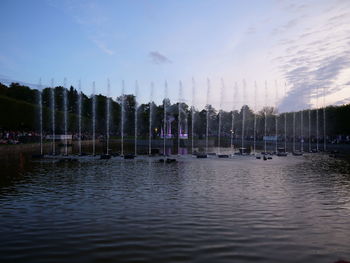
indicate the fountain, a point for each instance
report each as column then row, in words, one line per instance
column 165, row 116
column 108, row 115
column 207, row 117
column 220, row 113
column 122, row 119
column 276, row 117
column 179, row 118
column 80, row 98
column 93, row 120
column 301, row 130
column 255, row 109
column 135, row 119
column 293, row 131
column 52, row 104
column 243, row 113
column 317, row 129
column 40, row 104
column 65, row 116
column 150, row 120
column 265, row 120
column 309, row 119
column 192, row 114
column 324, row 120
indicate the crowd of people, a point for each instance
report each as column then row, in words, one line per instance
column 16, row 137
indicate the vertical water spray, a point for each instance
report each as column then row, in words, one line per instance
column 65, row 116
column 294, row 131
column 192, row 114
column 80, row 98
column 309, row 119
column 93, row 120
column 207, row 117
column 135, row 118
column 108, row 115
column 234, row 95
column 301, row 130
column 220, row 113
column 122, row 119
column 265, row 116
column 150, row 120
column 179, row 118
column 276, row 117
column 40, row 102
column 165, row 116
column 53, row 122
column 243, row 112
column 255, row 109
column 285, row 121
column 324, row 120
column 317, row 128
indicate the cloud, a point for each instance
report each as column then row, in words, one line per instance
column 158, row 58
column 102, row 46
column 251, row 30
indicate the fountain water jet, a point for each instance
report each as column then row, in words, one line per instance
column 40, row 102
column 136, row 96
column 276, row 117
column 220, row 113
column 309, row 119
column 265, row 120
column 179, row 118
column 150, row 120
column 317, row 128
column 93, row 120
column 302, row 130
column 80, row 98
column 243, row 112
column 324, row 120
column 207, row 117
column 285, row 121
column 122, row 119
column 108, row 115
column 52, row 104
column 294, row 131
column 165, row 116
column 192, row 114
column 65, row 116
column 255, row 109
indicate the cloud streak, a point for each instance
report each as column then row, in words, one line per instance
column 158, row 58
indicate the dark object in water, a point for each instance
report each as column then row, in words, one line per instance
column 264, row 158
column 37, row 156
column 115, row 154
column 282, row 154
column 129, row 156
column 223, row 155
column 169, row 160
column 269, row 157
column 83, row 154
column 155, row 151
column 314, row 151
column 297, row 153
column 105, row 156
column 244, row 151
column 67, row 160
column 201, row 156
column 258, row 157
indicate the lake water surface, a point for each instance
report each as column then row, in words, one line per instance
column 294, row 209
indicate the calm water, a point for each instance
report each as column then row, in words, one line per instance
column 294, row 209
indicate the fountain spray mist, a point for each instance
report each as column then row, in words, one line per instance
column 179, row 118
column 309, row 119
column 192, row 114
column 93, row 120
column 317, row 128
column 150, row 120
column 65, row 115
column 40, row 102
column 135, row 118
column 244, row 87
column 108, row 115
column 165, row 116
column 80, row 98
column 255, row 110
column 220, row 113
column 302, row 130
column 207, row 117
column 265, row 116
column 324, row 120
column 52, row 104
column 285, row 120
column 294, row 131
column 122, row 118
column 276, row 116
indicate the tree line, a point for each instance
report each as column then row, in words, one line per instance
column 19, row 111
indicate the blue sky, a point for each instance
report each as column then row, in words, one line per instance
column 303, row 45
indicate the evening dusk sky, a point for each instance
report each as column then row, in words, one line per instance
column 298, row 47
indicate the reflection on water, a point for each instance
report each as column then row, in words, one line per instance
column 294, row 209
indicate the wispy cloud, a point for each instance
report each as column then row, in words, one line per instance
column 158, row 58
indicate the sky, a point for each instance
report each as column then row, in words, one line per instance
column 293, row 54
